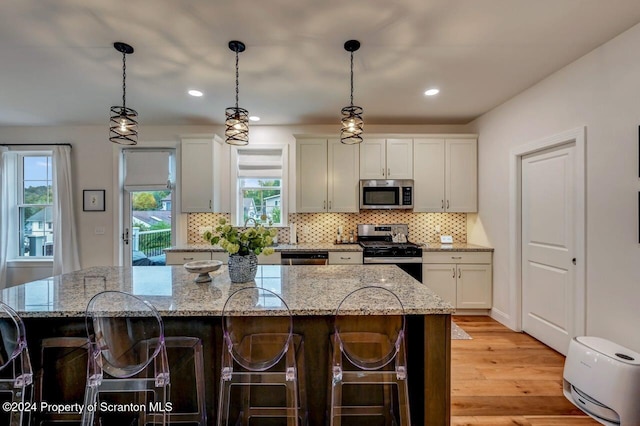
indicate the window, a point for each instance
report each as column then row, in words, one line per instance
column 260, row 179
column 34, row 205
column 261, row 200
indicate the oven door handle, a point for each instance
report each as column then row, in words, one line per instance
column 391, row 260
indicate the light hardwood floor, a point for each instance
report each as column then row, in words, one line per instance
column 505, row 378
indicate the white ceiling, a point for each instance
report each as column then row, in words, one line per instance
column 58, row 64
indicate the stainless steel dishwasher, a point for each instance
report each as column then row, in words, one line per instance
column 300, row 257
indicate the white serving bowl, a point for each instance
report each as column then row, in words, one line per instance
column 202, row 267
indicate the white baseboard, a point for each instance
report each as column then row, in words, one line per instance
column 503, row 318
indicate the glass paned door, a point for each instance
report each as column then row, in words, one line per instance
column 148, row 227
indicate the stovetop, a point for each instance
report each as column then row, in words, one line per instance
column 387, row 244
column 377, row 241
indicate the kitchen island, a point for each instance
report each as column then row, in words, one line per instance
column 55, row 307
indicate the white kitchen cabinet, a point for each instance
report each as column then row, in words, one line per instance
column 445, row 175
column 463, row 279
column 326, row 176
column 204, row 175
column 345, row 258
column 271, row 259
column 386, row 159
column 182, row 257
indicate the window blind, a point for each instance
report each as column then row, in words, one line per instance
column 147, row 170
column 260, row 162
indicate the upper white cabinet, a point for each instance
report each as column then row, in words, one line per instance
column 386, row 159
column 446, row 175
column 326, row 176
column 202, row 176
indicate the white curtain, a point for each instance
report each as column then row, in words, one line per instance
column 4, row 216
column 65, row 243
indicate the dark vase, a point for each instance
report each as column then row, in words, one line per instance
column 243, row 268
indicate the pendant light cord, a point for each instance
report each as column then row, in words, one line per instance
column 351, row 78
column 124, row 80
column 237, row 78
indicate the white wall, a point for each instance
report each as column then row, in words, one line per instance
column 602, row 92
column 93, row 168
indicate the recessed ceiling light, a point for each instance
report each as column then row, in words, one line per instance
column 195, row 93
column 254, row 118
column 432, row 92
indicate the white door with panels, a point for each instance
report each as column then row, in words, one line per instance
column 548, row 245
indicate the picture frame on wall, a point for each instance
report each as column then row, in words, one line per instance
column 93, row 200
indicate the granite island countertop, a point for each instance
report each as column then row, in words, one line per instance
column 308, row 290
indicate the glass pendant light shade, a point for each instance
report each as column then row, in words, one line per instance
column 237, row 119
column 352, row 123
column 123, row 126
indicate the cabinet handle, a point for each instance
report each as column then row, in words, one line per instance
column 383, row 172
column 209, row 204
column 454, row 272
column 388, row 172
column 456, row 257
column 442, row 204
column 447, row 204
column 459, row 273
column 324, row 204
column 345, row 258
column 329, row 204
column 187, row 258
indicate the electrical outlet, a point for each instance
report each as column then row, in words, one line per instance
column 437, row 228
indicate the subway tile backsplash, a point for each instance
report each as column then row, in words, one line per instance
column 322, row 227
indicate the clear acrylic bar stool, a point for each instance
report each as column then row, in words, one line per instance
column 368, row 359
column 15, row 365
column 127, row 343
column 261, row 357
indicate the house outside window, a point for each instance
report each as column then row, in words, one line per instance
column 260, row 176
column 34, row 205
column 261, row 200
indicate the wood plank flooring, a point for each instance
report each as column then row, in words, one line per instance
column 504, row 378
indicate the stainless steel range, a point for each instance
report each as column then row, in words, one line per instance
column 389, row 244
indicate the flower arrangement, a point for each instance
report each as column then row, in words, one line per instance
column 252, row 240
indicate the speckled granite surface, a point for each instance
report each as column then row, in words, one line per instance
column 453, row 247
column 279, row 247
column 334, row 247
column 308, row 290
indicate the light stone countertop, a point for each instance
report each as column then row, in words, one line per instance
column 307, row 289
column 426, row 247
column 277, row 248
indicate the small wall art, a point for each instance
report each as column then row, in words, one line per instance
column 93, row 200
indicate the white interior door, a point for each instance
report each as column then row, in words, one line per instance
column 548, row 245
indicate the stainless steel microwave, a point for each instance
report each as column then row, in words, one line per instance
column 386, row 194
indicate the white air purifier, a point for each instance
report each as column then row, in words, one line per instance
column 602, row 378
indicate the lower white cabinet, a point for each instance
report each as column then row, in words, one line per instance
column 345, row 258
column 463, row 279
column 182, row 257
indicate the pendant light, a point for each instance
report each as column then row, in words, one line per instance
column 237, row 119
column 123, row 128
column 352, row 124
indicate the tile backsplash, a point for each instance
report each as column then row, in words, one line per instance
column 322, row 227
